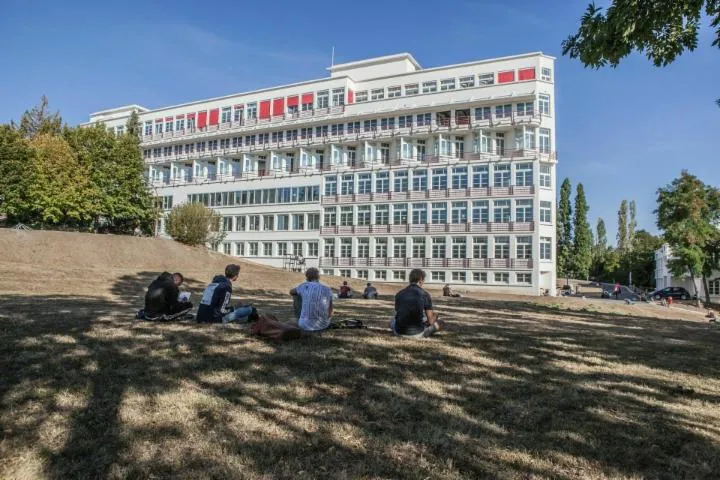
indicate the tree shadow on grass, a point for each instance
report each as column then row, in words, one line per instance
column 505, row 392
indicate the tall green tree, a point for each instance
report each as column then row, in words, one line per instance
column 59, row 191
column 601, row 235
column 662, row 29
column 641, row 261
column 582, row 240
column 564, row 229
column 632, row 224
column 688, row 212
column 39, row 120
column 132, row 126
column 600, row 250
column 16, row 175
column 622, row 232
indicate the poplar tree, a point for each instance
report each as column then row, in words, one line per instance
column 582, row 240
column 622, row 233
column 564, row 228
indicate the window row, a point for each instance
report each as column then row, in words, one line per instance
column 421, row 213
column 498, row 246
column 269, row 249
column 263, row 196
column 451, row 83
column 486, row 278
column 271, row 222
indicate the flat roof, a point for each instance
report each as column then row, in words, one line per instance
column 376, row 60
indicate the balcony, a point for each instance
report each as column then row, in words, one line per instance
column 431, row 228
column 452, row 263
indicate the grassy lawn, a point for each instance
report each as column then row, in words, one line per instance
column 513, row 389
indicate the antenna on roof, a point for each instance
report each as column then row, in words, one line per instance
column 332, row 58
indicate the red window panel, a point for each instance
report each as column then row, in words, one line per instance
column 264, row 109
column 293, row 101
column 307, row 98
column 351, row 97
column 168, row 119
column 239, row 106
column 190, row 115
column 182, row 115
column 159, row 120
column 214, row 116
column 278, row 107
column 526, row 74
column 202, row 119
column 506, row 77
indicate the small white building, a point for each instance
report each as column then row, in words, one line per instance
column 664, row 278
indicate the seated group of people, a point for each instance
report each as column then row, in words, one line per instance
column 312, row 303
column 370, row 291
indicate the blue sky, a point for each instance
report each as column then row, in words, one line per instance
column 621, row 132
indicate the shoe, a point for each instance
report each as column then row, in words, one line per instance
column 140, row 314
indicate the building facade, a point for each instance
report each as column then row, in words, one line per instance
column 379, row 168
column 664, row 277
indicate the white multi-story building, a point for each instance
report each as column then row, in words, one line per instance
column 664, row 278
column 381, row 167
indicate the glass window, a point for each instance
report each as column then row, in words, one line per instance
column 377, row 94
column 361, row 96
column 394, row 91
column 503, row 111
column 482, row 113
column 298, row 221
column 502, row 247
column 524, row 174
column 382, row 182
column 364, row 215
column 420, row 180
column 546, row 74
column 525, row 109
column 362, row 274
column 523, row 278
column 312, row 249
column 439, row 212
column 480, row 247
column 347, row 185
column 380, row 275
column 405, row 121
column 459, row 247
column 267, row 249
column 458, row 277
column 439, row 178
column 523, row 247
column 544, row 104
column 438, row 247
column 338, row 97
column 329, row 248
column 437, row 276
column 544, row 138
column 501, row 211
column 429, row 87
column 486, row 79
column 545, row 248
column 381, row 248
column 546, row 176
column 480, row 211
column 468, row 81
column 481, row 176
column 253, row 249
column 346, row 216
column 268, row 222
column 545, row 211
column 501, row 175
column 400, row 181
column 346, row 247
column 364, row 183
column 480, row 277
column 502, row 277
column 382, row 214
column 418, row 247
column 447, row 84
column 459, row 177
column 524, row 210
column 363, row 248
column 400, row 214
column 323, row 99
column 251, row 110
column 411, row 89
column 419, row 213
column 399, row 275
column 330, row 185
column 399, row 247
column 459, row 212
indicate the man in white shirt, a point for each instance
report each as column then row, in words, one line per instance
column 312, row 302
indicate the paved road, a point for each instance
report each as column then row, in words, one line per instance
column 625, row 292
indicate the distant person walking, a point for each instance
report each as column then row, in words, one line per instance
column 617, row 290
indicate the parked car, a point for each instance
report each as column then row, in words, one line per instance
column 677, row 293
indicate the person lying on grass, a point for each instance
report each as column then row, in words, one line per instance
column 414, row 315
column 162, row 299
column 312, row 302
column 215, row 303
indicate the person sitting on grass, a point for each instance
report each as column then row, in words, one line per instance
column 370, row 292
column 215, row 303
column 312, row 302
column 414, row 315
column 345, row 291
column 162, row 300
column 448, row 292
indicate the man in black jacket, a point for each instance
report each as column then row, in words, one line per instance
column 162, row 300
column 215, row 303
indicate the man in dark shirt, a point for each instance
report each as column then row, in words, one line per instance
column 345, row 291
column 215, row 303
column 414, row 316
column 370, row 291
column 162, row 300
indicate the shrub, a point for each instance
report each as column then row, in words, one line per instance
column 194, row 224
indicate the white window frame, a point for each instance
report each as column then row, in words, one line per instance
column 361, row 97
column 377, row 94
column 467, row 81
column 546, row 74
column 485, row 79
column 447, row 84
column 412, row 89
column 394, row 91
column 429, row 87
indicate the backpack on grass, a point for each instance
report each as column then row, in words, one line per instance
column 268, row 326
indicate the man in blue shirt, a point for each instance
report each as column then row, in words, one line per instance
column 312, row 302
column 414, row 316
column 215, row 303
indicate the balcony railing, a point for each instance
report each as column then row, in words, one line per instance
column 488, row 227
column 463, row 263
column 429, row 194
column 434, row 125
